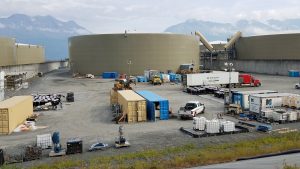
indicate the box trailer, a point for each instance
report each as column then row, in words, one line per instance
column 242, row 97
column 259, row 102
column 212, row 78
column 156, row 105
column 14, row 111
column 133, row 106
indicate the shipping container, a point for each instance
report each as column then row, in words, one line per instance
column 242, row 97
column 133, row 106
column 213, row 78
column 113, row 97
column 110, row 75
column 172, row 77
column 13, row 112
column 292, row 101
column 259, row 102
column 155, row 103
column 141, row 79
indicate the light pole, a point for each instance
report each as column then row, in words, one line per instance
column 229, row 68
column 129, row 62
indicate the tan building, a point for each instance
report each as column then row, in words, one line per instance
column 132, row 52
column 12, row 53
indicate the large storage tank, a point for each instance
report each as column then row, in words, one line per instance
column 131, row 53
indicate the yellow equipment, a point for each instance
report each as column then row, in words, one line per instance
column 122, row 84
column 156, row 80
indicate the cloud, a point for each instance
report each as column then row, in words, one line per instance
column 106, row 16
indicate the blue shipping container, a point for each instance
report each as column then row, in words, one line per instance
column 153, row 101
column 172, row 77
column 294, row 73
column 110, row 75
column 141, row 78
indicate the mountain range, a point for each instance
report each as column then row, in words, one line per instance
column 217, row 31
column 47, row 31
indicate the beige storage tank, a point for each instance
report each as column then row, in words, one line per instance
column 14, row 112
column 133, row 105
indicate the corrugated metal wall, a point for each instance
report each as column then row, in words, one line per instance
column 28, row 54
column 111, row 52
column 269, row 47
column 7, row 54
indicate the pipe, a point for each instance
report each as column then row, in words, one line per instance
column 204, row 41
column 234, row 38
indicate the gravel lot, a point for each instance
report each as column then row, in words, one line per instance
column 89, row 117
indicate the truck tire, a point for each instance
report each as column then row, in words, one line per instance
column 258, row 84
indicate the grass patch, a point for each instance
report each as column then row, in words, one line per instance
column 187, row 155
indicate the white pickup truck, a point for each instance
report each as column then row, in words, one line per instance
column 191, row 109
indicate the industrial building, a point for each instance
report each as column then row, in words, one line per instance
column 132, row 53
column 269, row 54
column 12, row 53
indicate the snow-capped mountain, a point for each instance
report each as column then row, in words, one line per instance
column 47, row 31
column 215, row 31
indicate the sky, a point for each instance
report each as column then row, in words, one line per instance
column 110, row 16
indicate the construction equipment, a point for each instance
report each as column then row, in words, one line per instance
column 121, row 140
column 122, row 84
column 57, row 150
column 186, row 68
column 155, row 79
column 234, row 109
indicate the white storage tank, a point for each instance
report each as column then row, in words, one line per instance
column 280, row 115
column 228, row 126
column 267, row 113
column 292, row 115
column 212, row 126
column 199, row 123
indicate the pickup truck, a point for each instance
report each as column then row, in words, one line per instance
column 191, row 109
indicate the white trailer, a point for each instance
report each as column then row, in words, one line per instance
column 212, row 78
column 261, row 102
column 242, row 97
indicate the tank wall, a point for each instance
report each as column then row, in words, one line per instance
column 111, row 52
column 29, row 54
column 7, row 56
column 269, row 47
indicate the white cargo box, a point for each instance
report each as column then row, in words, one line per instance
column 292, row 115
column 44, row 141
column 228, row 126
column 213, row 78
column 212, row 126
column 259, row 102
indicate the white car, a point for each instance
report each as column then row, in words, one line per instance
column 191, row 109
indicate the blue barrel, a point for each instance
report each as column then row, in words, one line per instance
column 55, row 137
column 294, row 73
